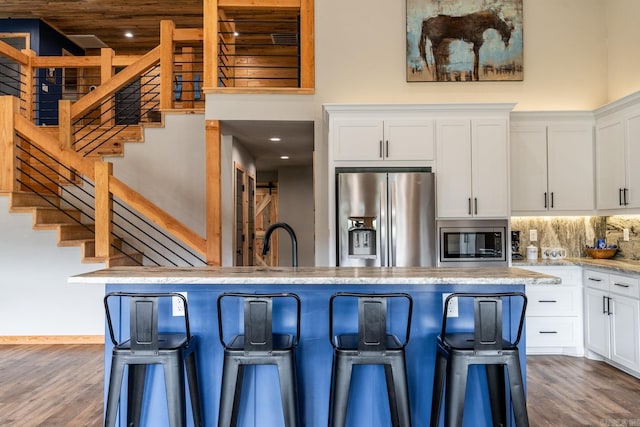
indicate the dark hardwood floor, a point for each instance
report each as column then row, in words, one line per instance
column 62, row 385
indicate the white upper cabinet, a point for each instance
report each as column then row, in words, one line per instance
column 472, row 168
column 617, row 154
column 383, row 140
column 552, row 164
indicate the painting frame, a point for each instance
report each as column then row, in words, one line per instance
column 464, row 40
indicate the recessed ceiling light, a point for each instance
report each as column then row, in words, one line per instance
column 284, row 157
column 235, row 33
column 274, row 139
column 128, row 34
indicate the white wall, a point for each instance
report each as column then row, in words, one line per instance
column 296, row 208
column 174, row 177
column 623, row 34
column 36, row 298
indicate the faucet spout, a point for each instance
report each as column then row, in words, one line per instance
column 294, row 241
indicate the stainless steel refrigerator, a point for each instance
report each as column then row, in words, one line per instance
column 385, row 218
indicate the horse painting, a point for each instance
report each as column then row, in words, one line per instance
column 442, row 30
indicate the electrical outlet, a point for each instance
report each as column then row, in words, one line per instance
column 625, row 234
column 178, row 304
column 533, row 235
column 453, row 306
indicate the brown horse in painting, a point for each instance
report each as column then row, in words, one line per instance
column 441, row 30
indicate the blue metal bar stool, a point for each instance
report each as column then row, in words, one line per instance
column 483, row 345
column 371, row 345
column 144, row 346
column 258, row 345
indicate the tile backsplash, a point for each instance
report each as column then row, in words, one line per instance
column 574, row 233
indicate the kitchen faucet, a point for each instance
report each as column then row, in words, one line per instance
column 294, row 241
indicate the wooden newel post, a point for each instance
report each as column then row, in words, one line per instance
column 9, row 106
column 167, row 45
column 103, row 209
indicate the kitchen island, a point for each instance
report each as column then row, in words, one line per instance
column 368, row 404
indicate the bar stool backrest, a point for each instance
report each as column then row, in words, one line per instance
column 372, row 324
column 258, row 324
column 258, row 320
column 488, row 322
column 143, row 320
column 372, row 319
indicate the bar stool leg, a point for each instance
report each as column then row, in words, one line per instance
column 194, row 389
column 174, row 385
column 398, row 392
column 438, row 387
column 456, row 387
column 137, row 376
column 497, row 394
column 113, row 395
column 232, row 377
column 288, row 390
column 339, row 396
column 517, row 392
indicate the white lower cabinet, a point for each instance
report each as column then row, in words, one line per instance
column 554, row 313
column 612, row 318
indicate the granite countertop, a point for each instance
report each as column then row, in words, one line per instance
column 314, row 275
column 614, row 265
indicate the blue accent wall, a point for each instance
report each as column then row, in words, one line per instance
column 45, row 41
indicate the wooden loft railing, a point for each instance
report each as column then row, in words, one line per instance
column 222, row 21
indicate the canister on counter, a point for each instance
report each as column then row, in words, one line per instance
column 532, row 252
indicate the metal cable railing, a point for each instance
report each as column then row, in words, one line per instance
column 133, row 236
column 265, row 54
column 131, row 105
column 188, row 66
column 12, row 80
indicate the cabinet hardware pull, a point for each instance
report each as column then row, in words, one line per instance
column 622, row 285
column 552, row 200
column 604, row 306
column 594, row 279
column 609, row 312
column 386, row 148
column 620, row 197
column 626, row 202
column 547, row 300
column 469, row 202
column 545, row 200
column 548, row 332
column 380, row 150
column 475, row 205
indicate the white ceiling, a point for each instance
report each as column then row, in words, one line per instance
column 296, row 141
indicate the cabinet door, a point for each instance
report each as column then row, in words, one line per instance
column 528, row 168
column 610, row 165
column 358, row 140
column 596, row 322
column 453, row 174
column 489, row 167
column 407, row 139
column 632, row 155
column 571, row 164
column 625, row 326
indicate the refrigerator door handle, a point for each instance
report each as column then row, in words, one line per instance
column 392, row 225
column 384, row 219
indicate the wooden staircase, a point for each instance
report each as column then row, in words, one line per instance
column 48, row 215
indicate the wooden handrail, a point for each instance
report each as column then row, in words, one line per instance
column 138, row 202
column 13, row 53
column 114, row 84
column 52, row 146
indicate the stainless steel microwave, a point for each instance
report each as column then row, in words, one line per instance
column 472, row 243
